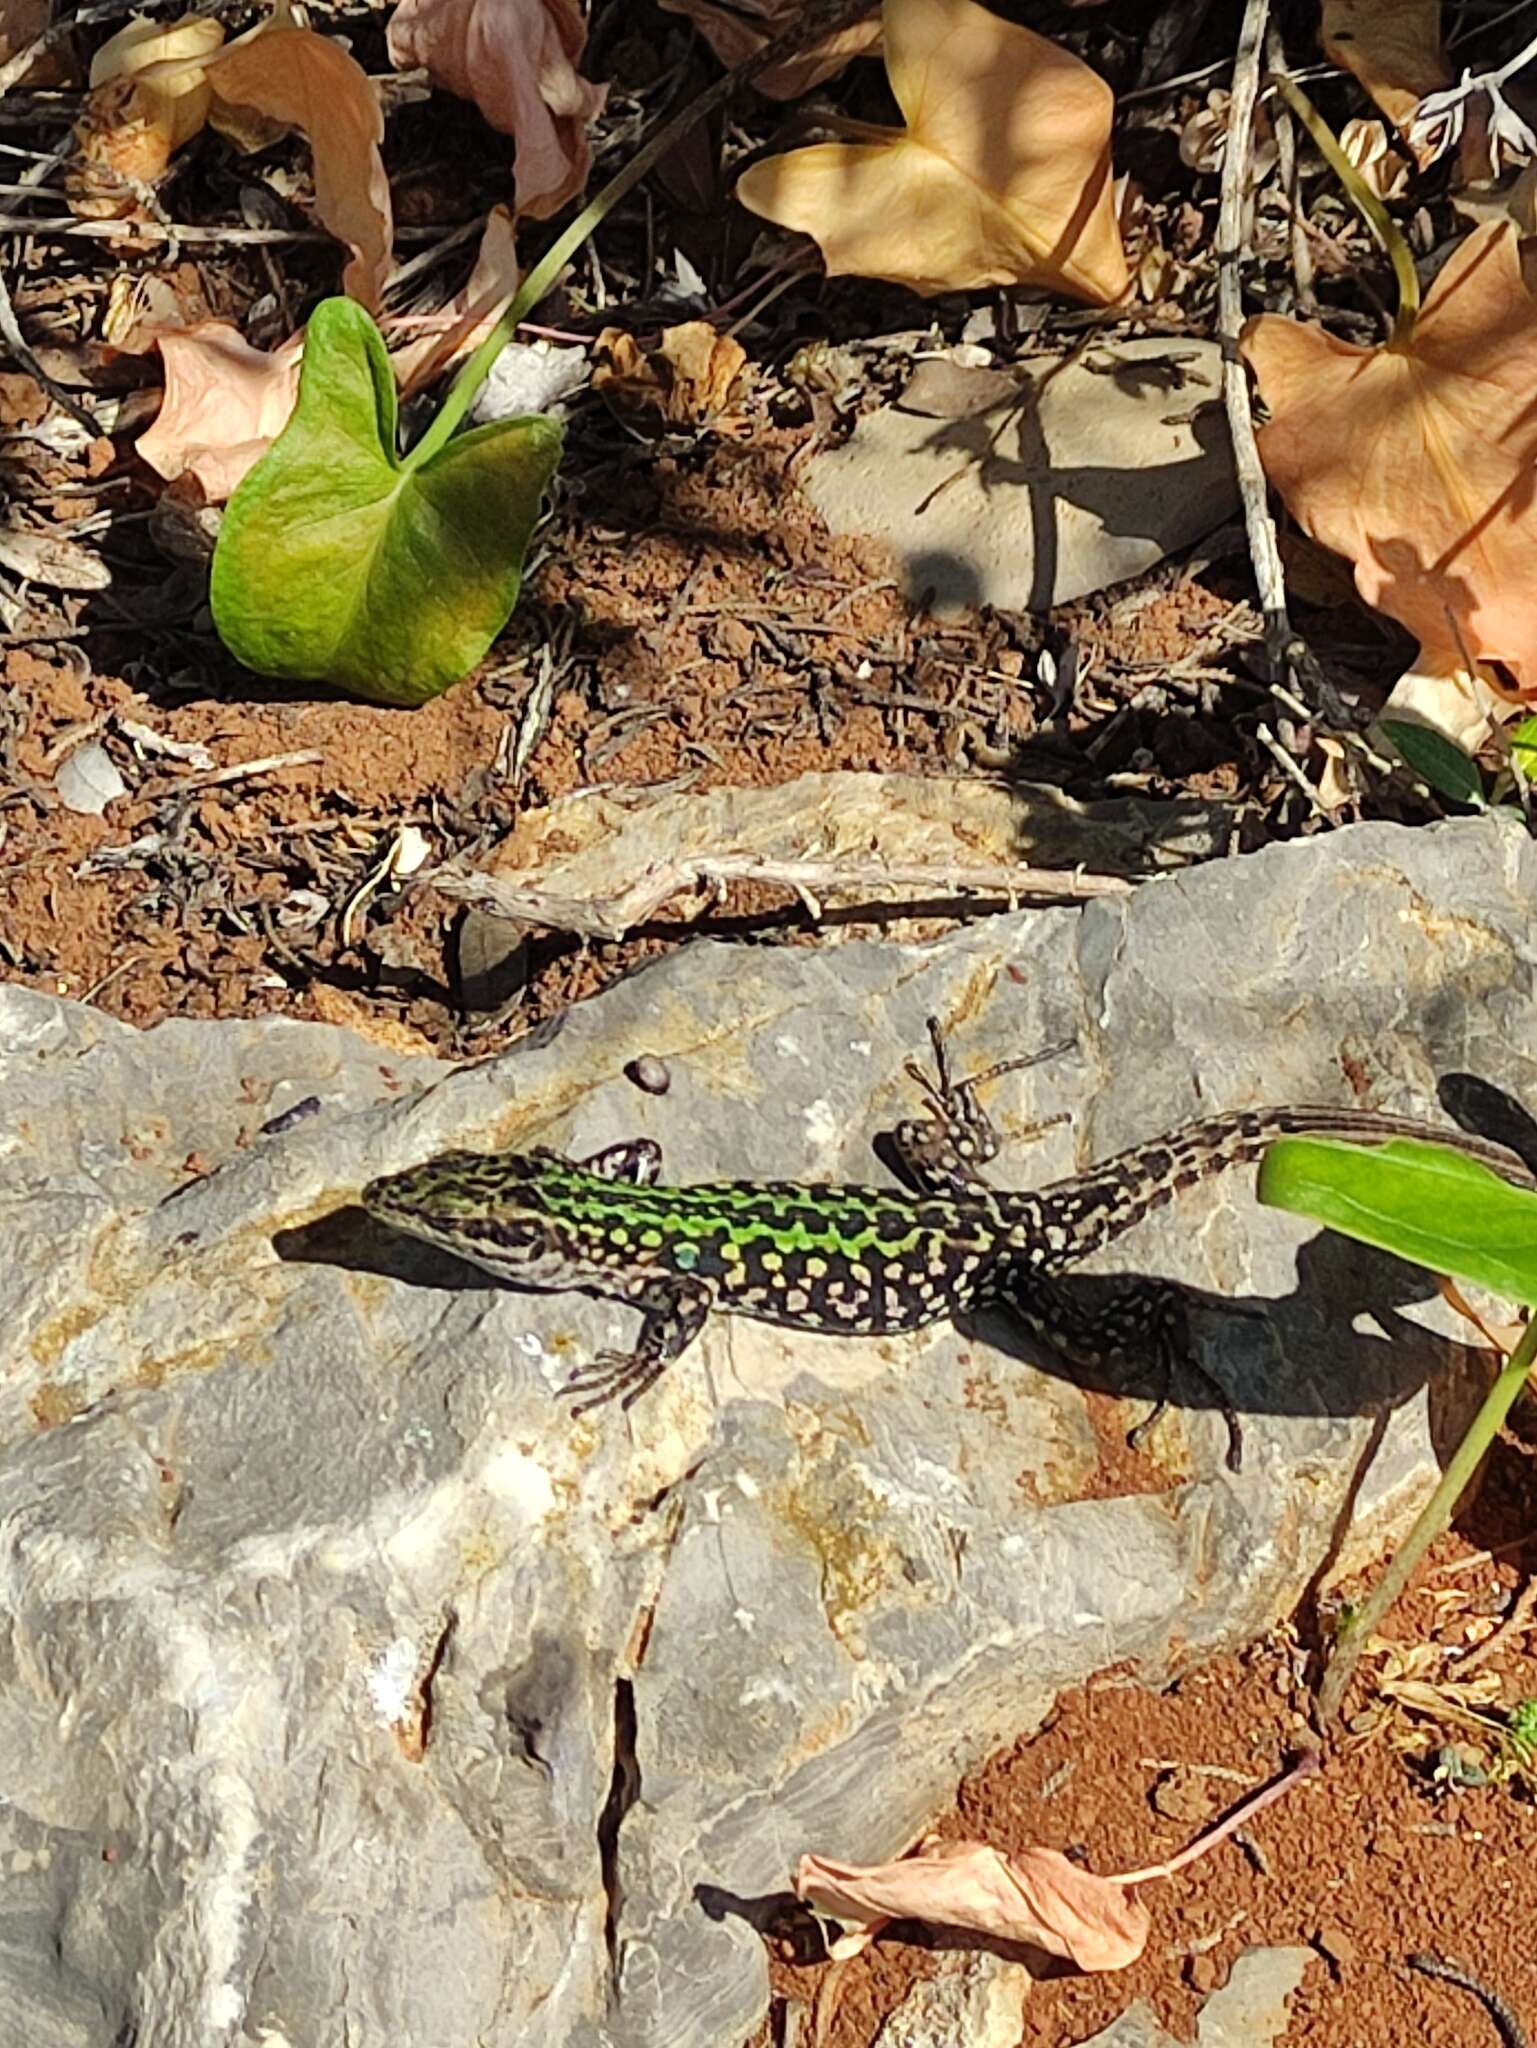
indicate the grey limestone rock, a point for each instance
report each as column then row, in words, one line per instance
column 350, row 1690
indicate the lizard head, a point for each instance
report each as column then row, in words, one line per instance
column 480, row 1205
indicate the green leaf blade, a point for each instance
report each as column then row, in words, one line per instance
column 1523, row 747
column 1423, row 1202
column 1437, row 760
column 338, row 563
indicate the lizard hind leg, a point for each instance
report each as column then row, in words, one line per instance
column 1142, row 1321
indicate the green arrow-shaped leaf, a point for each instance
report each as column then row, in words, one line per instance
column 339, row 563
column 1424, row 1202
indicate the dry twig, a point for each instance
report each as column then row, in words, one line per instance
column 1288, row 652
column 1516, row 1623
column 612, row 917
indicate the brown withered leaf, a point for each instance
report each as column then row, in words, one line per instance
column 149, row 94
column 692, row 375
column 1001, row 175
column 306, row 81
column 1392, row 46
column 1417, row 462
column 1035, row 1897
column 740, row 30
column 154, row 88
column 516, row 60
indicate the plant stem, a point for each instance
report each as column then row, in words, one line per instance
column 1433, row 1518
column 1366, row 203
column 462, row 392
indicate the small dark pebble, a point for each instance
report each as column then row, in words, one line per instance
column 649, row 1073
column 286, row 1120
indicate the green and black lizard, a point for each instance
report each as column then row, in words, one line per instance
column 851, row 1260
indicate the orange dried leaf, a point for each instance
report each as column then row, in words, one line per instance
column 516, row 59
column 1416, row 462
column 1001, row 176
column 225, row 403
column 1036, row 1897
column 692, row 375
column 154, row 87
column 306, row 81
column 1392, row 46
column 740, row 31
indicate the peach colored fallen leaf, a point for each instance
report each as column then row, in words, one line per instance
column 309, row 82
column 1392, row 46
column 1416, row 463
column 1036, row 1898
column 225, row 403
column 1001, row 175
column 516, row 59
column 463, row 322
column 737, row 32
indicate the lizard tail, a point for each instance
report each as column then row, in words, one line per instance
column 1068, row 1219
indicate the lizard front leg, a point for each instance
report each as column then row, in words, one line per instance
column 635, row 1160
column 942, row 1153
column 674, row 1307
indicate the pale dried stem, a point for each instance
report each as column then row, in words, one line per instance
column 1309, row 1762
column 1289, row 655
column 1232, row 242
column 1286, row 169
column 612, row 917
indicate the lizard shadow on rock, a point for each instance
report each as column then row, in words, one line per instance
column 1287, row 1355
column 352, row 1239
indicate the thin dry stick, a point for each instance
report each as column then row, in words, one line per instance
column 1293, row 771
column 1306, row 1765
column 1516, row 1623
column 1287, row 651
column 611, row 917
column 64, row 226
column 262, row 764
column 1231, row 242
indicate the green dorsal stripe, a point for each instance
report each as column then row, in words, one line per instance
column 847, row 1221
